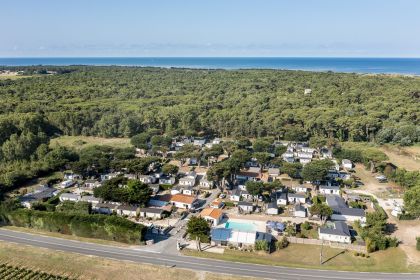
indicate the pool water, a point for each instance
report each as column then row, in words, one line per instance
column 240, row 226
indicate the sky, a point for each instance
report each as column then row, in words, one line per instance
column 282, row 28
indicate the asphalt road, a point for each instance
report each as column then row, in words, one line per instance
column 210, row 265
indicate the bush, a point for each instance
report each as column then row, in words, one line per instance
column 370, row 245
column 282, row 243
column 392, row 242
column 93, row 226
column 406, row 216
column 261, row 245
column 306, row 225
column 418, row 243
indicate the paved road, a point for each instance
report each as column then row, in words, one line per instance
column 210, row 265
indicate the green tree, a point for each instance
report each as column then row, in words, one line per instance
column 321, row 210
column 254, row 188
column 170, row 169
column 261, row 146
column 316, row 170
column 138, row 192
column 198, row 227
column 291, row 169
column 412, row 201
column 262, row 158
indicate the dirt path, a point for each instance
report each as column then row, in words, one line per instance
column 387, row 194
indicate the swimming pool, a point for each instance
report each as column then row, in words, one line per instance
column 240, row 226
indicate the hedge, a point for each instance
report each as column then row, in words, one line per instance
column 93, row 226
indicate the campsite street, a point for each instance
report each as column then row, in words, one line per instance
column 210, row 265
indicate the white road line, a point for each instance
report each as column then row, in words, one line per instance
column 190, row 262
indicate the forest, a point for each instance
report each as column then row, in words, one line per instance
column 134, row 101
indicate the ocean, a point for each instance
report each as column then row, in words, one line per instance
column 406, row 66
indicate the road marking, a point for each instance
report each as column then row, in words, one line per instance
column 189, row 262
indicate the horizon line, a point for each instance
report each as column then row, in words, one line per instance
column 347, row 57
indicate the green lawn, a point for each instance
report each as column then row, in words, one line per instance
column 79, row 142
column 308, row 256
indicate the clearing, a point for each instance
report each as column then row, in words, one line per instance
column 307, row 256
column 89, row 267
column 80, row 142
column 403, row 157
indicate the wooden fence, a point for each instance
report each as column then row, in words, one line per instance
column 351, row 247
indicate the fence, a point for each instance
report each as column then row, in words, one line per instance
column 351, row 247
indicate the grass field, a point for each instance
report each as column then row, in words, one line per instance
column 79, row 142
column 403, row 157
column 88, row 267
column 66, row 236
column 307, row 256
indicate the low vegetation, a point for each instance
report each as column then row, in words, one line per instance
column 74, row 223
column 14, row 272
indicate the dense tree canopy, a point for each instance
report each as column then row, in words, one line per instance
column 126, row 101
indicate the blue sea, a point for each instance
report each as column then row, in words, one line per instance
column 407, row 66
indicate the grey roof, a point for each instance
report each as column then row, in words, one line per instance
column 90, row 181
column 127, row 207
column 340, row 228
column 70, row 195
column 357, row 212
column 339, row 207
column 299, row 207
column 282, row 196
column 90, row 197
column 106, row 205
column 237, row 192
column 330, row 187
column 220, row 234
column 272, row 204
column 263, row 236
column 274, row 171
column 297, row 195
column 335, row 201
column 245, row 203
column 38, row 195
column 152, row 210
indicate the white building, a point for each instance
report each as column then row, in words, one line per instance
column 296, row 198
column 347, row 164
column 212, row 215
column 206, row 184
column 336, row 232
column 91, row 199
column 69, row 197
column 127, row 210
column 188, row 180
column 67, row 184
column 147, row 179
column 341, row 212
column 299, row 211
column 329, row 190
column 183, row 201
column 272, row 208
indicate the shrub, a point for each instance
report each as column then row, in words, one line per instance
column 370, row 245
column 392, row 242
column 93, row 226
column 282, row 243
column 261, row 245
column 418, row 243
column 306, row 225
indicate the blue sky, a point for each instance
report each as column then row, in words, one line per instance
column 343, row 28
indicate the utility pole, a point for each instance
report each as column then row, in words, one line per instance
column 320, row 254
